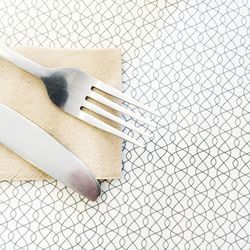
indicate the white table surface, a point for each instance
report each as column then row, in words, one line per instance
column 190, row 188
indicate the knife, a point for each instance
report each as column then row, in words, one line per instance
column 40, row 149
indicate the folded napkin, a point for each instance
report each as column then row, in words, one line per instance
column 27, row 95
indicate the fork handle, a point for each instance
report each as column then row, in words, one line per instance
column 23, row 62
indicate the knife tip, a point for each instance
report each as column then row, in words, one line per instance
column 95, row 194
column 85, row 184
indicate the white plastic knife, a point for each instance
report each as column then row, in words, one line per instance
column 36, row 146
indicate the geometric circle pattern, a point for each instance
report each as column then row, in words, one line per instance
column 190, row 188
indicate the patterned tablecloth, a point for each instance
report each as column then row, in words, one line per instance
column 190, row 188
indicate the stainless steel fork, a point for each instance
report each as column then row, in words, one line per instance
column 71, row 88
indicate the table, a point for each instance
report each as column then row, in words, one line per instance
column 190, row 188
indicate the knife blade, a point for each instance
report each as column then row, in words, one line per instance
column 32, row 143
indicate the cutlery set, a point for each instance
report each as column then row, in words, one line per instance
column 71, row 90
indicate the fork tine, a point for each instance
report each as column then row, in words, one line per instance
column 119, row 108
column 102, row 125
column 112, row 117
column 118, row 94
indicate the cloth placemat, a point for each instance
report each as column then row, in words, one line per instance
column 27, row 95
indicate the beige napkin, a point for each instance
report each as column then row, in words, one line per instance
column 27, row 95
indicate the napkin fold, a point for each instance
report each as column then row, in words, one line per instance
column 26, row 94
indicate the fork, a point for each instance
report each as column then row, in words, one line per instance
column 70, row 90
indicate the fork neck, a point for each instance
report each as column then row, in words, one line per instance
column 23, row 62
